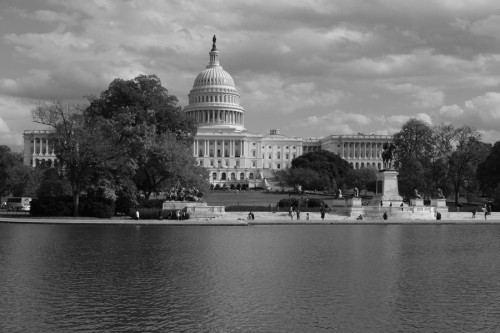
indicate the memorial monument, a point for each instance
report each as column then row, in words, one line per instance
column 190, row 202
column 387, row 192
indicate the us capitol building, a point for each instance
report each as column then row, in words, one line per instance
column 225, row 147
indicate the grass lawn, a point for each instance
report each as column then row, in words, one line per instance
column 252, row 198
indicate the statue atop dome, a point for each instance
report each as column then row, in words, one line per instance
column 214, row 48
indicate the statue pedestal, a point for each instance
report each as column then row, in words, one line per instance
column 195, row 209
column 387, row 191
column 438, row 203
column 417, row 202
column 355, row 202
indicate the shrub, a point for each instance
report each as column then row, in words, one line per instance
column 63, row 206
column 314, row 202
column 151, row 203
column 238, row 186
column 288, row 202
column 248, row 208
column 217, row 186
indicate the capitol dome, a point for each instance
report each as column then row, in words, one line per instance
column 214, row 100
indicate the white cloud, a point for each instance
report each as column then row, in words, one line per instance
column 487, row 107
column 3, row 127
column 451, row 111
column 285, row 97
column 487, row 27
column 423, row 97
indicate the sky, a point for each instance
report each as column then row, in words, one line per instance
column 311, row 68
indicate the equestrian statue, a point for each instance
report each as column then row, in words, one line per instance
column 387, row 156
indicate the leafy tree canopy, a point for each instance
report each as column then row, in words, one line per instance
column 488, row 172
column 327, row 165
column 142, row 101
column 13, row 174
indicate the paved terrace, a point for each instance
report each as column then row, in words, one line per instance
column 261, row 218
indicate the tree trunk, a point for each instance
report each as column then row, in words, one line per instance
column 457, row 192
column 76, row 202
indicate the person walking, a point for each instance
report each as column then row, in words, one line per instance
column 136, row 215
column 322, row 211
column 474, row 213
column 307, row 216
column 385, row 216
column 298, row 214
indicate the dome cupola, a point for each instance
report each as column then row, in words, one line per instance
column 214, row 100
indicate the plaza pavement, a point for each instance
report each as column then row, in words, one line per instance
column 261, row 218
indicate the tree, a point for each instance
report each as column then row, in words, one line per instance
column 13, row 173
column 327, row 167
column 363, row 179
column 411, row 177
column 462, row 151
column 145, row 118
column 488, row 171
column 165, row 162
column 414, row 153
column 81, row 144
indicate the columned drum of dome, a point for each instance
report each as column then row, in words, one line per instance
column 214, row 100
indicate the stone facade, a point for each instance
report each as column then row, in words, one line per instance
column 38, row 148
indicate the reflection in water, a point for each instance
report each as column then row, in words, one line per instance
column 248, row 279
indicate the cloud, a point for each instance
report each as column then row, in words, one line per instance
column 285, row 97
column 299, row 59
column 423, row 97
column 481, row 112
column 487, row 27
column 487, row 107
column 451, row 111
column 4, row 129
column 335, row 122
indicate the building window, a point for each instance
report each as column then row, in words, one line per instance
column 254, row 164
column 278, row 166
column 214, row 176
column 250, row 176
column 242, row 176
column 223, row 176
column 270, row 156
column 211, row 163
column 233, row 176
column 237, row 164
column 253, row 153
column 287, row 156
column 278, row 155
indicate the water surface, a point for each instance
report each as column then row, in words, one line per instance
column 418, row 278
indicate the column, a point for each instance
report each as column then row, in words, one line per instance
column 223, row 148
column 343, row 152
column 206, row 148
column 194, row 148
